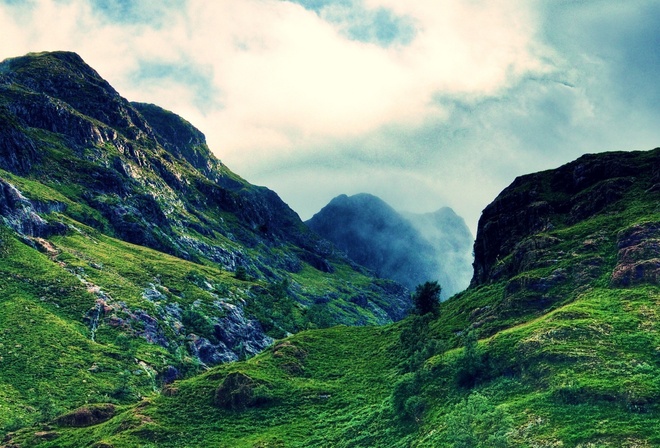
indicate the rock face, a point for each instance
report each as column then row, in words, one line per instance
column 22, row 215
column 410, row 249
column 512, row 232
column 152, row 183
column 638, row 256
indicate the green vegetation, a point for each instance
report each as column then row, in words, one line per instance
column 548, row 356
column 427, row 298
column 123, row 301
column 131, row 257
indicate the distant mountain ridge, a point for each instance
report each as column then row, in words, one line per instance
column 409, row 248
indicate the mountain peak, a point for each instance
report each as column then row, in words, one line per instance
column 408, row 248
column 55, row 72
column 66, row 77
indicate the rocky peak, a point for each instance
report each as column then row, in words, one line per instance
column 144, row 175
column 64, row 76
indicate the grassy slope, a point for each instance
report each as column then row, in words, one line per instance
column 50, row 362
column 584, row 373
column 583, row 370
column 53, row 358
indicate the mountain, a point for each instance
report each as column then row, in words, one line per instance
column 131, row 256
column 410, row 249
column 555, row 343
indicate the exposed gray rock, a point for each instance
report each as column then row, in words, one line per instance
column 245, row 336
column 20, row 214
column 209, row 353
column 152, row 294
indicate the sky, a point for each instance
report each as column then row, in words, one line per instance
column 425, row 103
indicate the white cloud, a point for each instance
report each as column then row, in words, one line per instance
column 286, row 82
column 285, row 71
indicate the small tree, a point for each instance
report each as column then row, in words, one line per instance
column 241, row 273
column 470, row 367
column 427, row 298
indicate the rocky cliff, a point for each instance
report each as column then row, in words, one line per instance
column 514, row 230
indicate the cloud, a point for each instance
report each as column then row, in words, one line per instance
column 285, row 67
column 425, row 103
column 373, row 25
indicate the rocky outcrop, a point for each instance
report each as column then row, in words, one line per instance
column 638, row 256
column 22, row 215
column 73, row 82
column 17, row 150
column 511, row 229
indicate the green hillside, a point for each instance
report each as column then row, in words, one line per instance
column 556, row 346
column 114, row 333
column 132, row 257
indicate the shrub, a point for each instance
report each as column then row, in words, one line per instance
column 87, row 415
column 416, row 344
column 290, row 357
column 241, row 273
column 470, row 368
column 476, row 422
column 239, row 391
column 196, row 322
column 414, row 407
column 406, row 401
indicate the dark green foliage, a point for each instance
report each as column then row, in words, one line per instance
column 406, row 401
column 124, row 390
column 426, row 298
column 87, row 415
column 126, row 345
column 320, row 316
column 238, row 391
column 476, row 422
column 417, row 343
column 196, row 322
column 241, row 273
column 470, row 367
column 280, row 290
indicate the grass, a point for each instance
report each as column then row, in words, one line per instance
column 584, row 373
column 551, row 355
column 548, row 354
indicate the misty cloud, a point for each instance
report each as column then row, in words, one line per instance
column 204, row 95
